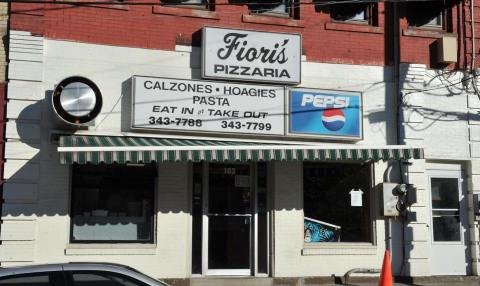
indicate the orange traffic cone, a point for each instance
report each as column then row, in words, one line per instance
column 386, row 278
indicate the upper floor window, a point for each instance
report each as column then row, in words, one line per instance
column 200, row 4
column 430, row 15
column 276, row 8
column 363, row 13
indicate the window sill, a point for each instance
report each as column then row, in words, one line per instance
column 352, row 27
column 272, row 20
column 185, row 12
column 339, row 249
column 111, row 249
column 425, row 33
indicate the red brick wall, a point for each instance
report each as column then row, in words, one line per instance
column 468, row 33
column 160, row 27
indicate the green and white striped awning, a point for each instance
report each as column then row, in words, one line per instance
column 119, row 149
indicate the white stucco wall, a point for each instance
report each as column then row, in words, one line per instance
column 441, row 111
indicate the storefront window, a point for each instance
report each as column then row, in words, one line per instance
column 112, row 203
column 336, row 199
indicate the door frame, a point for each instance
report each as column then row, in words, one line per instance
column 454, row 172
column 253, row 253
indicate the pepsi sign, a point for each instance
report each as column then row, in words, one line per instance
column 326, row 113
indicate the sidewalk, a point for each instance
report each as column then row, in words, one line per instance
column 329, row 281
column 427, row 281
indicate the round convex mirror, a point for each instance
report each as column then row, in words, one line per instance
column 77, row 100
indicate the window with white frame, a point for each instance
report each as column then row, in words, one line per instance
column 337, row 202
column 112, row 203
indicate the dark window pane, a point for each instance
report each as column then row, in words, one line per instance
column 180, row 3
column 350, row 12
column 229, row 242
column 104, row 279
column 184, row 1
column 112, row 203
column 279, row 7
column 229, row 187
column 26, row 280
column 328, row 211
column 446, row 227
column 419, row 13
column 444, row 193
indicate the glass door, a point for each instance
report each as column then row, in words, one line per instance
column 445, row 210
column 448, row 223
column 229, row 220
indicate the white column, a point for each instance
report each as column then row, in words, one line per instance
column 22, row 150
column 417, row 242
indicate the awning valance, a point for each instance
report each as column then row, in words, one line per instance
column 120, row 149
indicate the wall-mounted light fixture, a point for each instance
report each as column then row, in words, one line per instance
column 77, row 100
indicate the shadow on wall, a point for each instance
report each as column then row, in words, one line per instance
column 40, row 185
column 443, row 84
column 21, row 194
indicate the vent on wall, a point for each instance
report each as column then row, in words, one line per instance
column 447, row 49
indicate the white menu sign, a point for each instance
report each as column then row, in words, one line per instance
column 251, row 55
column 190, row 105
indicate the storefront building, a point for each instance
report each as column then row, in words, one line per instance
column 216, row 148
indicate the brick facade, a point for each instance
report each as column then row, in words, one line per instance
column 161, row 27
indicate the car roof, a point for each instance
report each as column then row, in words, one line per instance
column 81, row 266
column 65, row 266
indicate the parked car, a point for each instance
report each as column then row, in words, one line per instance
column 75, row 274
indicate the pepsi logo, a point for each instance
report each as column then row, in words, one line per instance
column 333, row 119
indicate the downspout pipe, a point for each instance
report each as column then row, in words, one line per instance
column 396, row 70
column 397, row 102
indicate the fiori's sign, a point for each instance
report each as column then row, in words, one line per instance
column 251, row 55
column 207, row 106
column 333, row 114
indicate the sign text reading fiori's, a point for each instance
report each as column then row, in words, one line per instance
column 251, row 55
column 189, row 105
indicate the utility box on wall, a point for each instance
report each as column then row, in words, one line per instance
column 390, row 199
column 447, row 49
